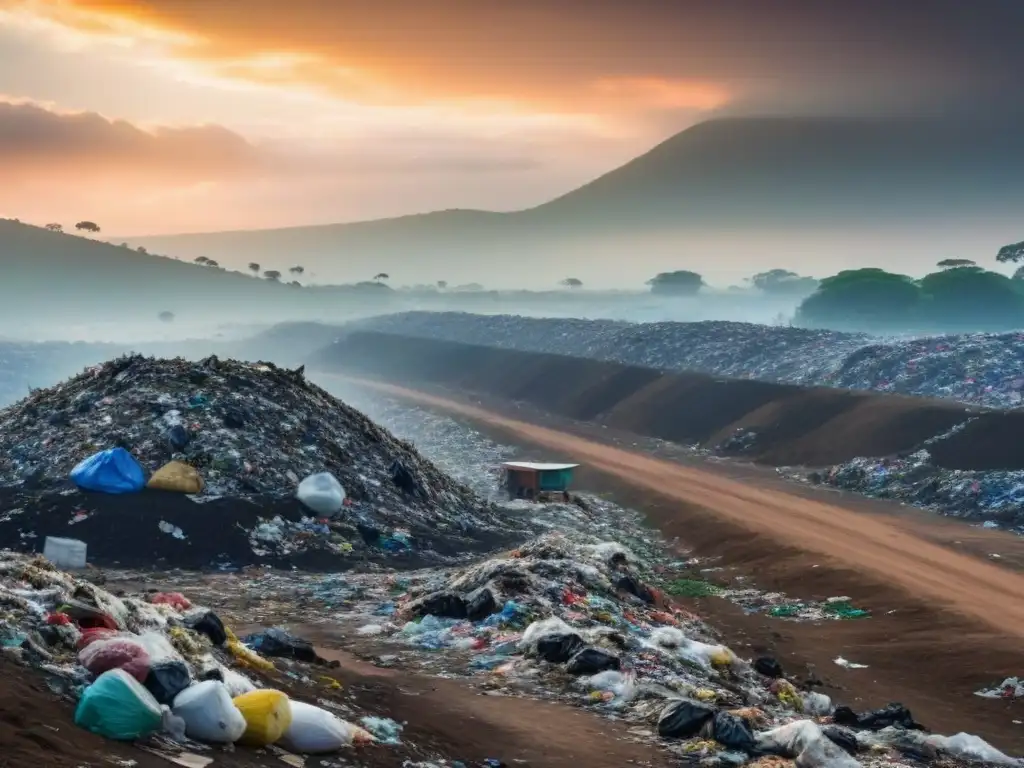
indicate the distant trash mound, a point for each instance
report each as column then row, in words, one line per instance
column 979, row 368
column 234, row 437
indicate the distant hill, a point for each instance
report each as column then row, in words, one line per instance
column 50, row 278
column 743, row 174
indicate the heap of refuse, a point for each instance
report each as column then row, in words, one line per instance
column 164, row 672
column 588, row 618
column 277, row 460
column 994, row 497
column 977, row 368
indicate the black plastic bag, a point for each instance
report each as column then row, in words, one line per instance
column 842, row 737
column 892, row 714
column 590, row 661
column 768, row 666
column 558, row 649
column 445, row 605
column 732, row 732
column 683, row 719
column 634, row 586
column 277, row 642
column 481, row 604
column 209, row 624
column 166, row 680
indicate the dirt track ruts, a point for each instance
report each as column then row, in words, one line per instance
column 961, row 583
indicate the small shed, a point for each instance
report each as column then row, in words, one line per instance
column 528, row 480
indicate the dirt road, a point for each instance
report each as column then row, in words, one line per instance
column 961, row 583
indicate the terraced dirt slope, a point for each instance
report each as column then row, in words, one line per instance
column 809, row 426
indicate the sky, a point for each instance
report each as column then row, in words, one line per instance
column 168, row 116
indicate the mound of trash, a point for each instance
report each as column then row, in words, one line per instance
column 224, row 450
column 995, row 497
column 588, row 618
column 979, row 368
column 168, row 674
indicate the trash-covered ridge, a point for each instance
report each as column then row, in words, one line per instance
column 979, row 368
column 248, row 429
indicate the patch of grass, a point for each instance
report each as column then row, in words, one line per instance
column 691, row 588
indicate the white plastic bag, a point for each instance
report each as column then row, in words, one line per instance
column 315, row 731
column 322, row 493
column 538, row 630
column 209, row 713
column 967, row 746
column 806, row 742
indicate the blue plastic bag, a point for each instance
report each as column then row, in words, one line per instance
column 111, row 471
column 118, row 707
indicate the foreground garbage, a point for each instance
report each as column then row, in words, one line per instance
column 977, row 368
column 590, row 621
column 169, row 675
column 245, row 460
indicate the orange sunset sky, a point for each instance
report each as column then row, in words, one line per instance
column 192, row 115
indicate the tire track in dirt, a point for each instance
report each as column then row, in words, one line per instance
column 957, row 582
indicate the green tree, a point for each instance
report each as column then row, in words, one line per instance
column 1013, row 252
column 55, row 227
column 862, row 298
column 272, row 274
column 88, row 226
column 971, row 298
column 952, row 263
column 572, row 282
column 679, row 283
column 254, row 267
column 783, row 282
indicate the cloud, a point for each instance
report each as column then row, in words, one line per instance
column 38, row 140
column 545, row 54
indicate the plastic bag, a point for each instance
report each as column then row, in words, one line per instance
column 322, row 493
column 278, row 642
column 558, row 649
column 176, row 600
column 116, row 706
column 158, row 647
column 167, row 679
column 683, row 719
column 118, row 652
column 817, row 704
column 209, row 713
column 209, row 624
column 111, row 471
column 178, row 477
column 91, row 634
column 806, row 742
column 541, row 629
column 590, row 661
column 481, row 604
column 315, row 731
column 732, row 732
column 267, row 716
column 243, row 655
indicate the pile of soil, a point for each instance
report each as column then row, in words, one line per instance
column 792, row 425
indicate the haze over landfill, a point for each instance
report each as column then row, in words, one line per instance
column 640, row 383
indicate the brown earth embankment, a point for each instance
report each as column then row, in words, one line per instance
column 808, row 426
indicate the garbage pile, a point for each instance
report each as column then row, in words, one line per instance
column 993, row 497
column 165, row 672
column 224, row 451
column 978, row 368
column 588, row 620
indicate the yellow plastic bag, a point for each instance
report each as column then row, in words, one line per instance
column 267, row 716
column 245, row 656
column 176, row 476
column 721, row 657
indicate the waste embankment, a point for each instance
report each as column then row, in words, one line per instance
column 969, row 458
column 977, row 368
column 221, row 463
